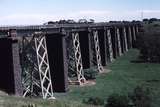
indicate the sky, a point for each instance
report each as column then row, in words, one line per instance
column 32, row 12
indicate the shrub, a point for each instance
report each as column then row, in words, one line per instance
column 156, row 25
column 30, row 105
column 141, row 97
column 90, row 73
column 93, row 101
column 116, row 100
column 149, row 46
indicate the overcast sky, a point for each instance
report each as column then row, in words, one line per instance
column 22, row 12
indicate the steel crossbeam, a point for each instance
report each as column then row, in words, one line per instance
column 97, row 50
column 110, row 45
column 119, row 42
column 125, row 39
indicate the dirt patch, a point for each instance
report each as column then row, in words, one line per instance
column 89, row 83
column 105, row 71
column 3, row 93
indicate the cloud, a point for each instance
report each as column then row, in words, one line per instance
column 94, row 12
column 25, row 19
column 151, row 11
column 97, row 15
column 21, row 18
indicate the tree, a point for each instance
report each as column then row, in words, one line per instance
column 153, row 20
column 91, row 21
column 145, row 20
column 82, row 21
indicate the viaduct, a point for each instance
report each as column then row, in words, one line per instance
column 43, row 59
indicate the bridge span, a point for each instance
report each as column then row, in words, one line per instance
column 39, row 60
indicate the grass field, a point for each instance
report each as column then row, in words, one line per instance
column 123, row 78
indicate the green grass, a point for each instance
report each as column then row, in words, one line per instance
column 12, row 101
column 123, row 78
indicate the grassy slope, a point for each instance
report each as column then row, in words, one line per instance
column 12, row 101
column 123, row 78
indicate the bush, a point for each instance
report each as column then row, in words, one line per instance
column 141, row 97
column 93, row 101
column 90, row 73
column 156, row 25
column 149, row 46
column 116, row 100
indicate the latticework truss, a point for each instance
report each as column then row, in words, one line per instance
column 130, row 36
column 76, row 73
column 110, row 45
column 125, row 39
column 43, row 65
column 78, row 58
column 119, row 42
column 36, row 72
column 97, row 50
column 134, row 33
column 30, row 75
